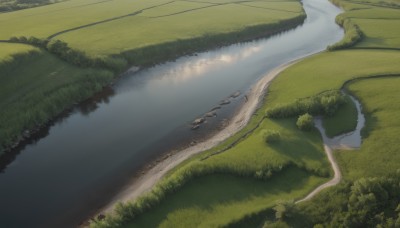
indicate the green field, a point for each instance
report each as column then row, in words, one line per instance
column 214, row 206
column 8, row 50
column 142, row 23
column 379, row 152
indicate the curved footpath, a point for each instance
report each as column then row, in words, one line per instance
column 329, row 153
column 347, row 141
column 149, row 179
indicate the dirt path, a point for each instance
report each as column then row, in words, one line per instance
column 145, row 182
column 328, row 150
column 345, row 141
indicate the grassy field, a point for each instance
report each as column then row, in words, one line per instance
column 214, row 206
column 8, row 50
column 167, row 23
column 379, row 151
column 345, row 120
column 142, row 23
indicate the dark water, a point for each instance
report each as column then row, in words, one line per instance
column 84, row 158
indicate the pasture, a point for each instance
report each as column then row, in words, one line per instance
column 130, row 25
column 378, row 154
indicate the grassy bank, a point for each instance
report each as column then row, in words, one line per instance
column 45, row 86
column 378, row 154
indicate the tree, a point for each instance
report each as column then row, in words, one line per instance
column 284, row 210
column 305, row 122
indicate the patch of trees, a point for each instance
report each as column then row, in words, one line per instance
column 326, row 103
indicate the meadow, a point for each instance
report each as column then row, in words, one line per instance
column 142, row 23
column 169, row 205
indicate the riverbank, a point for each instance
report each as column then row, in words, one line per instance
column 147, row 180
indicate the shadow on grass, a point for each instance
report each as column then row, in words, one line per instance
column 301, row 146
column 205, row 194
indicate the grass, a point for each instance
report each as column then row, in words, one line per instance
column 155, row 21
column 379, row 151
column 344, row 120
column 328, row 71
column 216, row 206
column 8, row 50
column 140, row 31
column 43, row 88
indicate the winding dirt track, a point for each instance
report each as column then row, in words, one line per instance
column 329, row 153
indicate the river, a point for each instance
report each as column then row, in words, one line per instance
column 85, row 157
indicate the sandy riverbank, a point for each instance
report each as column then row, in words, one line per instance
column 145, row 182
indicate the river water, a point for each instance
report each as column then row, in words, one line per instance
column 80, row 162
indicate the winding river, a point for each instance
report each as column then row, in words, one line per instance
column 85, row 158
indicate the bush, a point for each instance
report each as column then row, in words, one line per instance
column 271, row 136
column 305, row 122
column 323, row 104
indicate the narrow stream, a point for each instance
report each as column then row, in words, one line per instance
column 353, row 139
column 84, row 158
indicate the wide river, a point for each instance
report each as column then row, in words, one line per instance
column 80, row 162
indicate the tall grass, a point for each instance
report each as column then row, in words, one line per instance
column 325, row 103
column 353, row 33
column 28, row 102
